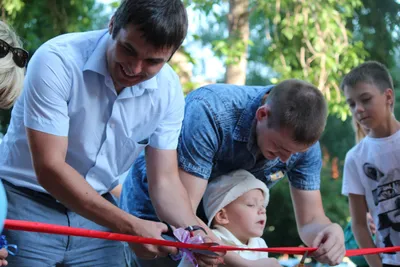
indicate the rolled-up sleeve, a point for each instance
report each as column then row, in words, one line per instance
column 46, row 92
column 306, row 174
column 199, row 139
column 351, row 179
column 166, row 134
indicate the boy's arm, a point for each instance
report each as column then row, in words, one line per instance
column 359, row 226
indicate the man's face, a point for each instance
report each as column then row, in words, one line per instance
column 132, row 60
column 275, row 143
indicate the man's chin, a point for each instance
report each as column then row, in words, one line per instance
column 269, row 156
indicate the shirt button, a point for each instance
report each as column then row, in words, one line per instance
column 112, row 125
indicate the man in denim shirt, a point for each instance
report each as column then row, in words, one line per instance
column 268, row 132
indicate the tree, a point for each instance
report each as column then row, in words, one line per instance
column 239, row 32
column 294, row 39
column 229, row 37
column 37, row 21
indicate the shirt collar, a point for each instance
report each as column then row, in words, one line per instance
column 97, row 62
column 246, row 122
column 228, row 237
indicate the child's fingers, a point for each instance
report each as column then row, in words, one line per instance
column 3, row 262
column 3, row 253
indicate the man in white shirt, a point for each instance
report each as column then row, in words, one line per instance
column 92, row 102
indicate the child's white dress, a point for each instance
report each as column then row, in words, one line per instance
column 229, row 239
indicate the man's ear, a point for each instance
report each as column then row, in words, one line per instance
column 111, row 25
column 263, row 113
column 221, row 218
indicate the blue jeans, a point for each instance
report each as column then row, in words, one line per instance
column 133, row 261
column 40, row 250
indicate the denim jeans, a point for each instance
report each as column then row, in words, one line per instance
column 40, row 250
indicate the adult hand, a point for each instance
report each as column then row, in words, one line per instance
column 3, row 256
column 150, row 229
column 208, row 260
column 330, row 244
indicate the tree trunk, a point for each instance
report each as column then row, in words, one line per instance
column 238, row 19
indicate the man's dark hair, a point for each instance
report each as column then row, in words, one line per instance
column 299, row 107
column 163, row 23
column 371, row 72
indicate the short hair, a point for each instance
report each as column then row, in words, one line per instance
column 163, row 23
column 299, row 107
column 11, row 76
column 371, row 72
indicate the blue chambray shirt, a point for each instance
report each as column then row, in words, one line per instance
column 218, row 136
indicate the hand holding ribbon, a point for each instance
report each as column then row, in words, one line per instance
column 12, row 249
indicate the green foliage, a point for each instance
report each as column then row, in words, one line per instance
column 281, row 227
column 338, row 137
column 296, row 39
column 12, row 6
column 37, row 21
column 206, row 6
column 376, row 24
column 230, row 49
column 309, row 40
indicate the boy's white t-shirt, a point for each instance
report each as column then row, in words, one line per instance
column 372, row 169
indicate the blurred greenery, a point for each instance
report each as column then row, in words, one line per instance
column 37, row 21
column 281, row 227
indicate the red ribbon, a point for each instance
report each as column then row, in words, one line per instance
column 72, row 231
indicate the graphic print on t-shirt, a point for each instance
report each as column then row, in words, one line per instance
column 387, row 201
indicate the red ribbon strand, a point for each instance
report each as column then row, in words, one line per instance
column 73, row 231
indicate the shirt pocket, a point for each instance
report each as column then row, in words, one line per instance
column 129, row 151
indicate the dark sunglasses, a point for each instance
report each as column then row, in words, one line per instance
column 20, row 56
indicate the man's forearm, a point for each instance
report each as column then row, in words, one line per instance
column 171, row 202
column 309, row 231
column 364, row 240
column 71, row 189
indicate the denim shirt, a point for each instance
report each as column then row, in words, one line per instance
column 218, row 136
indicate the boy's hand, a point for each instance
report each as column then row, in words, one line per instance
column 3, row 256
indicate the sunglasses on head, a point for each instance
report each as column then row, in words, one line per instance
column 20, row 56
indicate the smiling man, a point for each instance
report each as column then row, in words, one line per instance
column 92, row 102
column 269, row 131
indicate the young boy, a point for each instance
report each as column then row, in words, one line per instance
column 235, row 206
column 372, row 168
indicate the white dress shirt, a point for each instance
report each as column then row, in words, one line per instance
column 68, row 91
